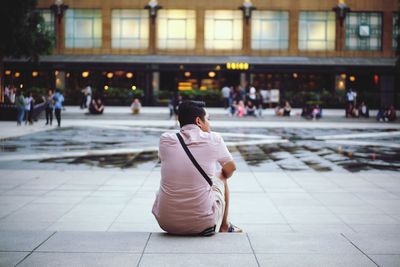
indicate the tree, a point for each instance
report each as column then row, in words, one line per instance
column 22, row 32
column 397, row 83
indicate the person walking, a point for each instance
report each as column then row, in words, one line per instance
column 49, row 107
column 193, row 198
column 58, row 99
column 20, row 103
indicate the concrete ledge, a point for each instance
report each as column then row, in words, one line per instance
column 32, row 248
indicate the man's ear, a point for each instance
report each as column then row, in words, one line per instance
column 198, row 121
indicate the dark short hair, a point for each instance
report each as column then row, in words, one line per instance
column 189, row 110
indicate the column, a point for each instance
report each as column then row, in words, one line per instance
column 387, row 90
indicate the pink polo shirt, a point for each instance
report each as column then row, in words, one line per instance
column 185, row 202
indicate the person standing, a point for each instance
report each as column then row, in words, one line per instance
column 225, row 94
column 29, row 108
column 86, row 97
column 49, row 107
column 20, row 103
column 58, row 99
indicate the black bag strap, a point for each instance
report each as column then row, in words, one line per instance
column 194, row 160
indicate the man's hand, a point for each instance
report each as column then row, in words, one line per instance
column 228, row 169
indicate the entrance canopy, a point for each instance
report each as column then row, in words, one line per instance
column 161, row 59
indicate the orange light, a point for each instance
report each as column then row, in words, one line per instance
column 352, row 78
column 85, row 74
column 187, row 74
column 110, row 75
column 7, row 72
column 106, row 87
column 129, row 75
column 295, row 75
column 17, row 74
column 211, row 74
column 35, row 73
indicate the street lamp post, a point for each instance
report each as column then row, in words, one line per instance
column 153, row 7
column 341, row 11
column 58, row 9
column 247, row 7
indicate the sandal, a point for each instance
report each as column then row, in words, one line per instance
column 234, row 229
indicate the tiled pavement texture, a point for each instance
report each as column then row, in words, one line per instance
column 46, row 248
column 103, row 218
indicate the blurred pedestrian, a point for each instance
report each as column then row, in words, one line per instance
column 29, row 102
column 286, row 109
column 136, row 106
column 225, row 91
column 49, row 106
column 363, row 110
column 58, row 99
column 96, row 107
column 20, row 103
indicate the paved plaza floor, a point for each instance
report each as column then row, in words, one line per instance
column 97, row 216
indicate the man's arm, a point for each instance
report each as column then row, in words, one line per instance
column 228, row 169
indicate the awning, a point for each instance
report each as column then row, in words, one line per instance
column 252, row 60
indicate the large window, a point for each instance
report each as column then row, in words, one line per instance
column 396, row 29
column 176, row 29
column 269, row 30
column 129, row 28
column 364, row 31
column 83, row 28
column 317, row 30
column 223, row 29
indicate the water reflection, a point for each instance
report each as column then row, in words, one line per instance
column 302, row 153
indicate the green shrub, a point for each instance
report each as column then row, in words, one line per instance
column 121, row 96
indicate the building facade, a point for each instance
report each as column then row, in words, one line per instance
column 307, row 50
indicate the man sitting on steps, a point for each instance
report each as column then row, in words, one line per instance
column 190, row 202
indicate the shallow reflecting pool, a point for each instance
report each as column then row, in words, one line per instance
column 261, row 149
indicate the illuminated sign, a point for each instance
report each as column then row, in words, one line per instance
column 237, row 66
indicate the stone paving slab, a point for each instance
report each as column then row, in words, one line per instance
column 386, row 260
column 158, row 249
column 39, row 259
column 314, row 260
column 295, row 243
column 8, row 259
column 376, row 243
column 22, row 240
column 210, row 259
column 95, row 242
column 221, row 243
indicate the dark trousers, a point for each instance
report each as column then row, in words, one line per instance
column 57, row 112
column 49, row 115
column 28, row 116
